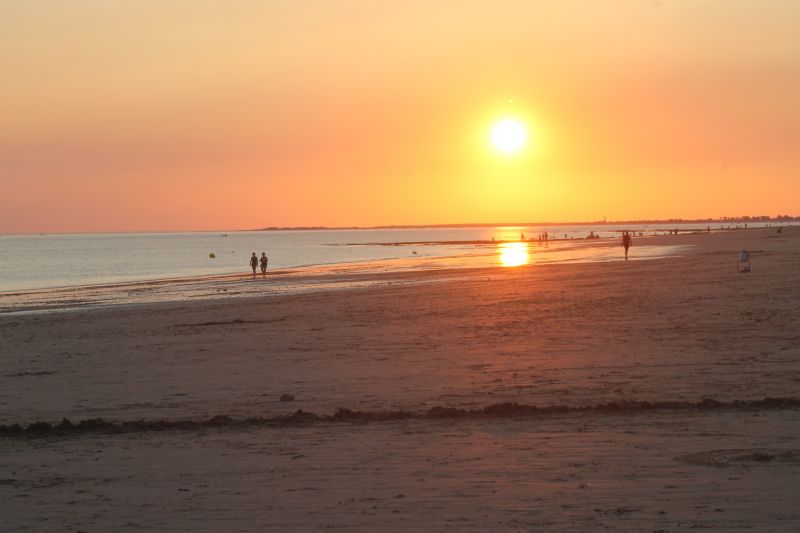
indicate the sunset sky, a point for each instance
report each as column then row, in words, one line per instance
column 196, row 114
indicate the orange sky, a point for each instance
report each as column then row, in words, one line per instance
column 129, row 115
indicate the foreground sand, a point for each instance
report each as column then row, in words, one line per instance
column 673, row 330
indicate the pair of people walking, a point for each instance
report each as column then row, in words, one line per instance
column 255, row 262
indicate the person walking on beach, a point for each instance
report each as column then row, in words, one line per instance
column 264, row 261
column 626, row 242
column 254, row 264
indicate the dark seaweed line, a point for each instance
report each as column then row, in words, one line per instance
column 505, row 410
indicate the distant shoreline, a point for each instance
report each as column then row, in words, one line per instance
column 783, row 219
column 529, row 224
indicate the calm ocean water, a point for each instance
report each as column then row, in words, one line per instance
column 45, row 261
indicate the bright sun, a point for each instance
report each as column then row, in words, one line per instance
column 509, row 135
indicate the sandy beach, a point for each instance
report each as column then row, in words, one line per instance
column 656, row 395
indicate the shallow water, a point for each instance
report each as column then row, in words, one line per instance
column 45, row 261
column 324, row 277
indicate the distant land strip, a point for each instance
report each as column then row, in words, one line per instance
column 716, row 221
column 507, row 410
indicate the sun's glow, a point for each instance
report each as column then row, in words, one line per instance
column 514, row 254
column 509, row 135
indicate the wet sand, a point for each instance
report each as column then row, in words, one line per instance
column 561, row 337
column 309, row 279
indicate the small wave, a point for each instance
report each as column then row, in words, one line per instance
column 748, row 456
column 507, row 410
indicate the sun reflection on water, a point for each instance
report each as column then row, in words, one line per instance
column 514, row 254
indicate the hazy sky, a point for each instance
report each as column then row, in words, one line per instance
column 194, row 114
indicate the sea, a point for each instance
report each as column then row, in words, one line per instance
column 32, row 262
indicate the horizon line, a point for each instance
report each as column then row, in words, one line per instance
column 744, row 218
column 724, row 219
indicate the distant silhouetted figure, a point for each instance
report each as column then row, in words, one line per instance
column 264, row 261
column 743, row 261
column 522, row 236
column 626, row 243
column 254, row 264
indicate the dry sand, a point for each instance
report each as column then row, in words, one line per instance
column 672, row 330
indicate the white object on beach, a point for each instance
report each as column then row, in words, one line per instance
column 744, row 260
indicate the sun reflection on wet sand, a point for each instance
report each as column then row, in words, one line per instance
column 324, row 277
column 513, row 254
